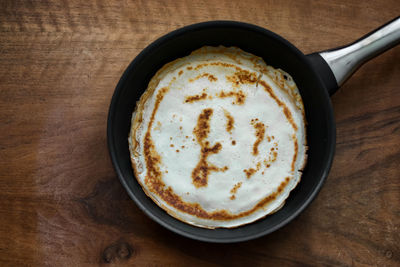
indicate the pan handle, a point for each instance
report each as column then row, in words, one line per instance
column 335, row 66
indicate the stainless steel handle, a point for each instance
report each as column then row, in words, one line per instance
column 344, row 61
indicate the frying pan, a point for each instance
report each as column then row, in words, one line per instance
column 317, row 76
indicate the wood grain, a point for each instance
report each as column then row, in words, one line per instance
column 60, row 201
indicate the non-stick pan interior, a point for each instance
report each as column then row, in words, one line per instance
column 276, row 52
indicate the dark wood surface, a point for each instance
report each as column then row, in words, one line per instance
column 61, row 203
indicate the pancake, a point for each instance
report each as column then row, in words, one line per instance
column 218, row 138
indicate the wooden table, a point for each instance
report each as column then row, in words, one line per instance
column 61, row 203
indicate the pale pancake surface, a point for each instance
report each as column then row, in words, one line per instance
column 218, row 138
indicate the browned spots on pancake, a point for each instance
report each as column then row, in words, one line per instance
column 272, row 156
column 288, row 115
column 249, row 172
column 260, row 132
column 286, row 111
column 236, row 187
column 158, row 126
column 223, row 64
column 201, row 66
column 180, row 72
column 152, row 158
column 210, row 77
column 194, row 98
column 218, row 63
column 203, row 168
column 172, row 81
column 282, row 186
column 176, row 201
column 234, row 190
column 202, row 128
column 229, row 121
column 296, row 150
column 189, row 68
column 239, row 96
column 242, row 77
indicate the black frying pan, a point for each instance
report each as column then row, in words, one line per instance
column 317, row 76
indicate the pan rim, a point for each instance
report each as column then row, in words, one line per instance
column 174, row 34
